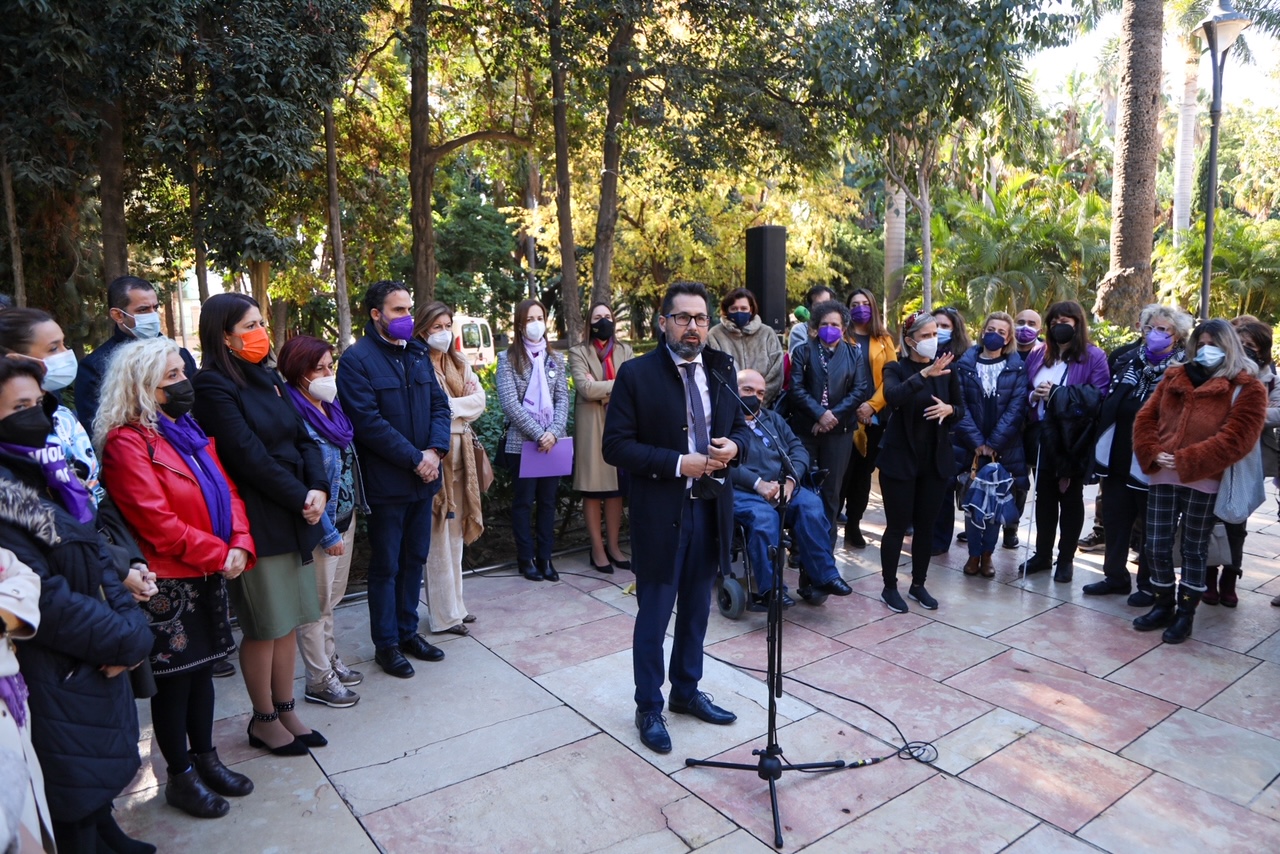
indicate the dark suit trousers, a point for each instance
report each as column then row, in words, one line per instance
column 689, row 592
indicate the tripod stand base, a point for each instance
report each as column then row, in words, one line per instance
column 769, row 767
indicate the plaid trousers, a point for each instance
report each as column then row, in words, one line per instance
column 1166, row 505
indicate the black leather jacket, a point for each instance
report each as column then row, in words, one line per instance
column 847, row 378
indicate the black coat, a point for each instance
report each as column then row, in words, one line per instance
column 850, row 386
column 93, row 368
column 646, row 431
column 398, row 411
column 265, row 448
column 84, row 726
column 907, row 395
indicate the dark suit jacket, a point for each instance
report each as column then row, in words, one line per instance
column 266, row 449
column 850, row 386
column 645, row 432
column 93, row 369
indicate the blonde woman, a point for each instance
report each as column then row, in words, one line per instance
column 456, row 514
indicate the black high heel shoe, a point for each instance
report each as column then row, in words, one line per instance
column 617, row 561
column 310, row 739
column 293, row 748
column 606, row 569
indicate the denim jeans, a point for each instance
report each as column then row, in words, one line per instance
column 807, row 518
column 400, row 537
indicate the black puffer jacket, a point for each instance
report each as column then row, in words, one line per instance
column 84, row 725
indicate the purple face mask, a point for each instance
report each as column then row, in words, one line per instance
column 401, row 329
column 1157, row 343
column 861, row 313
column 830, row 334
column 1026, row 334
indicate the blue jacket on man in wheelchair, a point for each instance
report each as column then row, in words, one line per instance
column 757, row 483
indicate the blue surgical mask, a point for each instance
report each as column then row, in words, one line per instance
column 1210, row 356
column 145, row 326
column 944, row 336
column 60, row 371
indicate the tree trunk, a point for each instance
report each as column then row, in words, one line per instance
column 532, row 189
column 1184, row 152
column 1127, row 286
column 895, row 247
column 926, row 238
column 280, row 323
column 421, row 166
column 15, row 237
column 197, row 234
column 115, row 241
column 617, row 61
column 569, row 295
column 341, row 293
column 169, row 320
column 259, row 278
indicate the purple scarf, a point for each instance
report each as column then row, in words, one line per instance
column 190, row 441
column 62, row 481
column 14, row 693
column 333, row 424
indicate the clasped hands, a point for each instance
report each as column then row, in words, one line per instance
column 719, row 453
column 428, row 467
column 770, row 490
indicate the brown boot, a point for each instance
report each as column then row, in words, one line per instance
column 1227, row 587
column 971, row 566
column 1210, row 595
column 988, row 571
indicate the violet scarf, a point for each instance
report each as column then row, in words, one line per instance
column 190, row 441
column 333, row 424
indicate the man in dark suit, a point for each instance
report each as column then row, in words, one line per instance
column 675, row 424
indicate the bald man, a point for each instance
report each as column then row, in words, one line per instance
column 758, row 484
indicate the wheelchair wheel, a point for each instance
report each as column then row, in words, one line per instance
column 731, row 598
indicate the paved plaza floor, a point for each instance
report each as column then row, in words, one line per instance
column 1058, row 728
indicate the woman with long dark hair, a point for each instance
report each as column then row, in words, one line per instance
column 457, row 517
column 533, row 392
column 867, row 331
column 917, row 462
column 594, row 363
column 165, row 476
column 244, row 405
column 1067, row 359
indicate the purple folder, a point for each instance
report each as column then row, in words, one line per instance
column 557, row 462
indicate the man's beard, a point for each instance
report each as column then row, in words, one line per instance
column 686, row 349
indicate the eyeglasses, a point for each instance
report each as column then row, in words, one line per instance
column 1147, row 330
column 683, row 319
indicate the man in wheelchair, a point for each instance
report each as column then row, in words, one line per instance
column 759, row 483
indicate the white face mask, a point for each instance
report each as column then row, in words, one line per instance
column 534, row 330
column 1210, row 356
column 927, row 348
column 440, row 340
column 145, row 326
column 60, row 371
column 324, row 389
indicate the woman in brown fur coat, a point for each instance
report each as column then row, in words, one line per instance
column 1187, row 434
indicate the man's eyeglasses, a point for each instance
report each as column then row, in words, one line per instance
column 683, row 319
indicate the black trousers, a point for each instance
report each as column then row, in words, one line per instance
column 1236, row 533
column 182, row 712
column 1061, row 512
column 830, row 451
column 913, row 502
column 1124, row 518
column 857, row 481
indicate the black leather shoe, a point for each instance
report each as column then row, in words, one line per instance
column 1034, row 564
column 653, row 731
column 1011, row 540
column 1064, row 571
column 834, row 587
column 620, row 563
column 548, row 570
column 187, row 792
column 703, row 709
column 853, row 539
column 760, row 602
column 419, row 648
column 223, row 669
column 219, row 777
column 1105, row 587
column 391, row 660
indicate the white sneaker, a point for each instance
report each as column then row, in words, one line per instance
column 345, row 674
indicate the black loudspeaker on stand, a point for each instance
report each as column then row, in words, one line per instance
column 771, row 765
column 767, row 273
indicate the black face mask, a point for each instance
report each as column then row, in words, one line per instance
column 1062, row 333
column 1255, row 355
column 27, row 428
column 602, row 329
column 181, row 397
column 751, row 402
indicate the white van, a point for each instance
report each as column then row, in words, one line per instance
column 473, row 339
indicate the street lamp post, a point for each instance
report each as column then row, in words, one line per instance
column 1219, row 29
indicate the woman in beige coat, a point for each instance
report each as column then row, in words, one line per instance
column 457, row 517
column 24, row 815
column 594, row 363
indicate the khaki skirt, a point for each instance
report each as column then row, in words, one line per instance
column 275, row 597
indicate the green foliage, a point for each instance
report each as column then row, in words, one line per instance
column 478, row 274
column 1246, row 268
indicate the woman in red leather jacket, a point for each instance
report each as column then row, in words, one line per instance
column 190, row 523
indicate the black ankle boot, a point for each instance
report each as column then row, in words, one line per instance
column 219, row 777
column 530, row 571
column 1064, row 571
column 187, row 792
column 548, row 570
column 1035, row 563
column 110, row 834
column 1161, row 613
column 1181, row 629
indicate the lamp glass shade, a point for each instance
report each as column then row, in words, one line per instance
column 1225, row 22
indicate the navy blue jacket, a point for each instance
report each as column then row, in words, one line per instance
column 1005, row 436
column 93, row 369
column 398, row 410
column 84, row 726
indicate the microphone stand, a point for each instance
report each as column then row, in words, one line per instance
column 770, row 764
